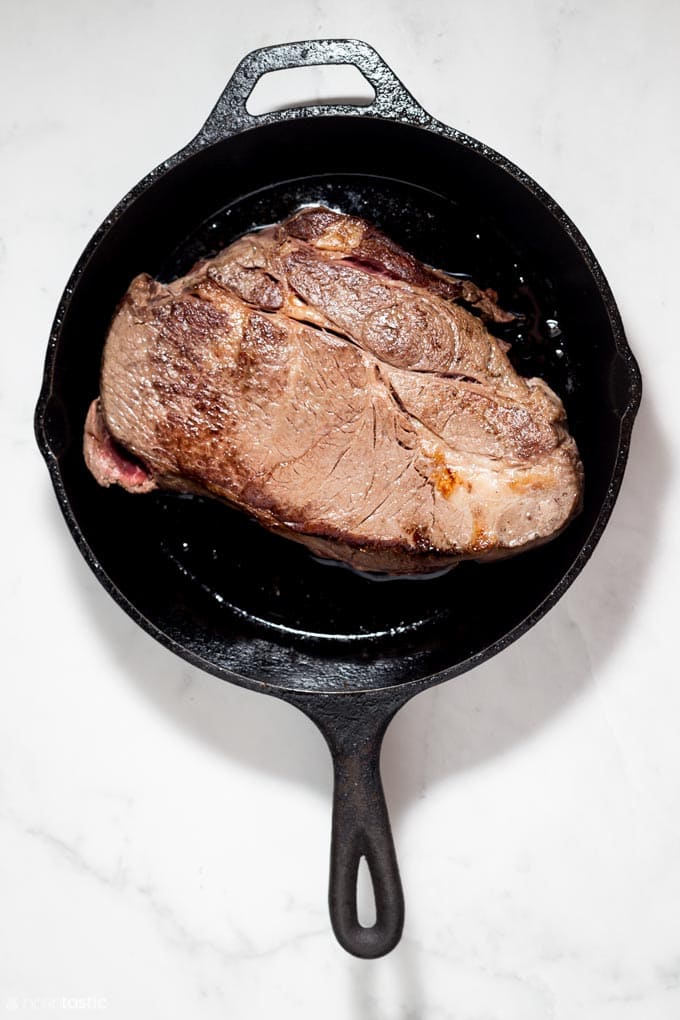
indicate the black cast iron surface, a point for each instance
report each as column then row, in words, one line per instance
column 256, row 609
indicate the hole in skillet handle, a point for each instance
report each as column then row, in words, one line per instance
column 366, row 912
column 310, row 86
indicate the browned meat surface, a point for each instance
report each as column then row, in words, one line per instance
column 320, row 378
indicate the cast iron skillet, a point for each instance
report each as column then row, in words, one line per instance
column 258, row 610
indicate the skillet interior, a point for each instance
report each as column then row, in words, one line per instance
column 257, row 608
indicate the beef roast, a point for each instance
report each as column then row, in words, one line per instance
column 320, row 378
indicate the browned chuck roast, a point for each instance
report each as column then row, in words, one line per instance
column 320, row 378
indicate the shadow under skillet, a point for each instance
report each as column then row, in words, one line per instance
column 334, row 101
column 478, row 716
column 403, row 966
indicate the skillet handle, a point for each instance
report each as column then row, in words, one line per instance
column 361, row 828
column 230, row 116
column 354, row 726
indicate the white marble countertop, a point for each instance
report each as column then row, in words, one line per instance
column 164, row 836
